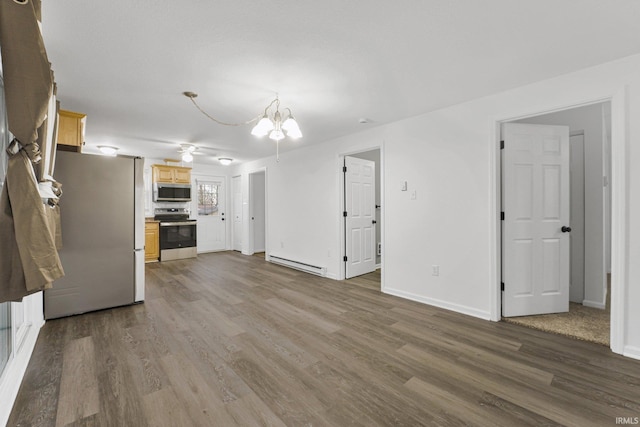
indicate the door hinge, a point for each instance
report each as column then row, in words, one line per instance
column 501, row 216
column 502, row 145
column 344, row 169
column 344, row 258
column 344, row 214
column 502, row 286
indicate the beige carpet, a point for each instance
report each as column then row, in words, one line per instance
column 584, row 323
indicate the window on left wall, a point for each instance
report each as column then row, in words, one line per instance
column 5, row 335
column 5, row 308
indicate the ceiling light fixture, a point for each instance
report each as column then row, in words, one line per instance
column 225, row 161
column 271, row 122
column 108, row 150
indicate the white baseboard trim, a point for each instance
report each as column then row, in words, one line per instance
column 12, row 379
column 632, row 352
column 470, row 311
column 333, row 276
column 212, row 251
column 594, row 304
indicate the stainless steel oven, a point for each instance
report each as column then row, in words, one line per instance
column 178, row 234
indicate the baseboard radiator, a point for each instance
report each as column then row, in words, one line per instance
column 307, row 268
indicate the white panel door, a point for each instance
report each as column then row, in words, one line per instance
column 236, row 183
column 535, row 202
column 208, row 207
column 361, row 214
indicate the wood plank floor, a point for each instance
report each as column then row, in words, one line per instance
column 231, row 340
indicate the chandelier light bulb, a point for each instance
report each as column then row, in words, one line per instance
column 291, row 127
column 262, row 127
column 187, row 157
column 276, row 135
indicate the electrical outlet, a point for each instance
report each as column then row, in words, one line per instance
column 414, row 195
column 435, row 270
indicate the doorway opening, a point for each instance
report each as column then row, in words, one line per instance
column 236, row 213
column 362, row 225
column 257, row 212
column 576, row 249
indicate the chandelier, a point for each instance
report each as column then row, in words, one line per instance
column 271, row 122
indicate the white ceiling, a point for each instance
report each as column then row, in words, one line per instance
column 126, row 63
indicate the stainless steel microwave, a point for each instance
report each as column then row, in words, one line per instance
column 171, row 192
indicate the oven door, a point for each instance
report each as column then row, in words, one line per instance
column 178, row 234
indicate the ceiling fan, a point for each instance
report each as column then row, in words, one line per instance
column 187, row 151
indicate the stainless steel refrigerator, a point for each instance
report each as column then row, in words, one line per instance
column 102, row 221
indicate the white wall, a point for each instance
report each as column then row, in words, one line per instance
column 303, row 206
column 590, row 120
column 449, row 157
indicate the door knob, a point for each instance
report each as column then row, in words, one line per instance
column 565, row 229
column 373, row 221
column 223, row 219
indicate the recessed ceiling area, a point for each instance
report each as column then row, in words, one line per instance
column 126, row 64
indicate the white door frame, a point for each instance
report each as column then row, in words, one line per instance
column 247, row 219
column 619, row 201
column 341, row 195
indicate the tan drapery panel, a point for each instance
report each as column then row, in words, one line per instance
column 29, row 260
column 27, row 73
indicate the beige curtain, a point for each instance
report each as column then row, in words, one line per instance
column 28, row 79
column 29, row 260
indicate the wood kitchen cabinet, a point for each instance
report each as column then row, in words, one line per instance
column 171, row 174
column 182, row 176
column 151, row 241
column 71, row 127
